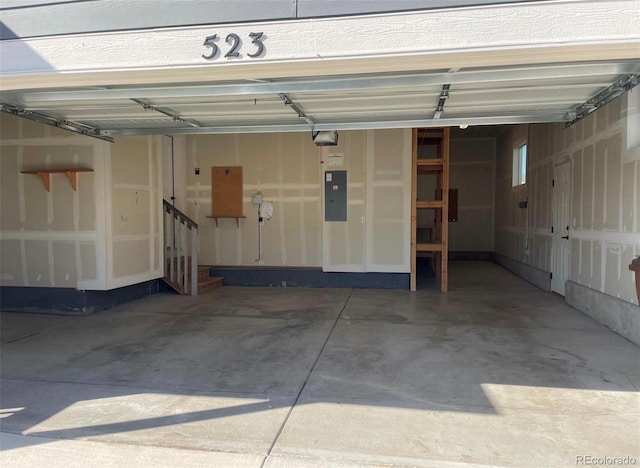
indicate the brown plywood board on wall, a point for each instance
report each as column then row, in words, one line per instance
column 453, row 203
column 226, row 191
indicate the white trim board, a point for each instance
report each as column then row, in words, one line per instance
column 562, row 31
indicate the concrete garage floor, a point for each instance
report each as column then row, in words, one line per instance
column 494, row 373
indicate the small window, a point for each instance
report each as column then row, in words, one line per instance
column 520, row 165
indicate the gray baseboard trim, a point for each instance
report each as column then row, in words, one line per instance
column 69, row 301
column 467, row 255
column 539, row 278
column 308, row 278
column 620, row 316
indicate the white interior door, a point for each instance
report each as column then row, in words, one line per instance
column 561, row 223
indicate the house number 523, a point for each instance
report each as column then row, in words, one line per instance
column 235, row 44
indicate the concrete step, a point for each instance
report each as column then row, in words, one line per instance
column 209, row 284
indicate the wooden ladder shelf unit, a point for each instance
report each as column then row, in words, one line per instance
column 439, row 167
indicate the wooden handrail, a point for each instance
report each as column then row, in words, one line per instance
column 169, row 208
column 181, row 250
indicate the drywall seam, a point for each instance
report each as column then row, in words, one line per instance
column 81, row 236
column 302, row 224
column 593, row 187
column 135, row 237
column 281, row 215
column 591, row 262
column 369, row 170
column 614, row 237
column 50, row 216
column 139, row 187
column 580, row 259
column 621, row 197
column 23, row 259
column 581, row 211
column 50, row 264
column 390, row 183
column 196, row 200
column 151, row 236
column 345, row 225
column 604, row 186
column 108, row 219
column 407, row 175
column 159, row 208
column 76, row 225
column 22, row 203
column 49, row 194
column 260, row 186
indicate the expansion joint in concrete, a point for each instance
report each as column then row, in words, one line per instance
column 306, row 380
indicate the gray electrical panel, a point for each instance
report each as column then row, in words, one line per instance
column 335, row 196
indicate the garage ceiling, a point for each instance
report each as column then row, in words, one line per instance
column 485, row 96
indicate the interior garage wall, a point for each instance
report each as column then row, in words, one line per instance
column 50, row 239
column 376, row 236
column 134, row 210
column 289, row 171
column 472, row 162
column 98, row 237
column 605, row 211
column 285, row 167
column 604, row 201
column 472, row 172
column 343, row 243
column 515, row 238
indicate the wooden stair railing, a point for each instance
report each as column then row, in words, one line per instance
column 181, row 250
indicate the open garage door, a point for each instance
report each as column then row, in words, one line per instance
column 506, row 63
column 478, row 96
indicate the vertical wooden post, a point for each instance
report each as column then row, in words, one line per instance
column 445, row 211
column 414, row 198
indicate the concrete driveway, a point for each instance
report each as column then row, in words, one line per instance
column 495, row 373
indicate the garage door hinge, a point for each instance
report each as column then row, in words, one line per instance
column 551, row 229
column 553, row 182
column 550, row 275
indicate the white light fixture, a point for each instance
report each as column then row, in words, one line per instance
column 464, row 126
column 329, row 138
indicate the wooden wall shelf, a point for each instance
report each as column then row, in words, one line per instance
column 45, row 175
column 237, row 218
